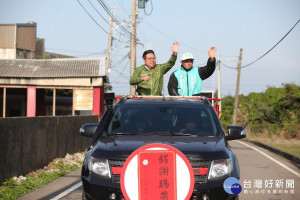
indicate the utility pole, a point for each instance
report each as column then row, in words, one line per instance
column 110, row 40
column 133, row 45
column 237, row 88
column 219, row 82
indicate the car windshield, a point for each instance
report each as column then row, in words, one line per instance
column 161, row 119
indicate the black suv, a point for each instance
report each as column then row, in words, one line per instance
column 190, row 125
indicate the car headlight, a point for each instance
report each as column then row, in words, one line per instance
column 99, row 166
column 220, row 168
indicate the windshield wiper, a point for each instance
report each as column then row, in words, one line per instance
column 123, row 133
column 183, row 134
column 168, row 133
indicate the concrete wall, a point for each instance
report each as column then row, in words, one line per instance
column 8, row 53
column 39, row 48
column 30, row 143
column 25, row 54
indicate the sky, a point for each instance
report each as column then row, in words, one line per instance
column 80, row 28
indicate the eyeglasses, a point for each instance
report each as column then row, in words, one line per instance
column 154, row 58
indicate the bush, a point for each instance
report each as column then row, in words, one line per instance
column 273, row 113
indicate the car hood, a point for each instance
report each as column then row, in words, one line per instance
column 194, row 148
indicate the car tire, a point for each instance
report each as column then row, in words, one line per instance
column 84, row 196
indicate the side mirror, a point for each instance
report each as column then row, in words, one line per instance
column 88, row 130
column 235, row 132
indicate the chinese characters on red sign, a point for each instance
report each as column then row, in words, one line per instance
column 157, row 171
column 157, row 175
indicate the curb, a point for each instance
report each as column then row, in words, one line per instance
column 53, row 188
column 294, row 159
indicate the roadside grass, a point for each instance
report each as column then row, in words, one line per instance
column 291, row 146
column 15, row 187
column 293, row 149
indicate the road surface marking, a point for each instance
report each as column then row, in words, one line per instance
column 279, row 163
column 71, row 189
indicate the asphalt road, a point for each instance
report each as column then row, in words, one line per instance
column 264, row 175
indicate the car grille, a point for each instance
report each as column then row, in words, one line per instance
column 195, row 164
column 115, row 178
column 200, row 164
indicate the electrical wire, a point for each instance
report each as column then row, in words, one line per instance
column 97, row 22
column 159, row 31
column 272, row 47
column 172, row 39
column 120, row 82
column 73, row 51
column 85, row 55
column 267, row 51
column 98, row 12
column 119, row 62
column 85, row 52
column 121, row 73
column 106, row 9
column 227, row 66
column 151, row 9
column 92, row 17
column 105, row 19
column 115, row 39
column 200, row 64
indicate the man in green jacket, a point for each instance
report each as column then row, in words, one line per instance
column 149, row 77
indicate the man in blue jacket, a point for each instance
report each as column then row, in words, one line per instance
column 187, row 80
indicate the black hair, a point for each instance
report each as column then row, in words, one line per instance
column 146, row 52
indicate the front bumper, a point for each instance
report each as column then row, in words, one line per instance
column 103, row 189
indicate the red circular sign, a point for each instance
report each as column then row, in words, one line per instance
column 157, row 171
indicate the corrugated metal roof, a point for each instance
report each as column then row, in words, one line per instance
column 52, row 68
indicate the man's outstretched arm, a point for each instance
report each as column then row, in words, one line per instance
column 206, row 71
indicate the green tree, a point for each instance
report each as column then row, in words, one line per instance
column 275, row 111
column 227, row 111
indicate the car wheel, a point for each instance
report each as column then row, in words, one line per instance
column 84, row 196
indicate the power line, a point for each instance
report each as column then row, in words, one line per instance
column 272, row 47
column 267, row 51
column 160, row 31
column 173, row 39
column 92, row 17
column 150, row 10
column 106, row 20
column 106, row 9
column 227, row 66
column 120, row 61
column 121, row 73
column 200, row 64
column 89, row 54
column 119, row 82
column 75, row 51
column 115, row 39
column 98, row 12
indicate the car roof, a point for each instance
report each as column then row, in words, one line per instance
column 162, row 99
